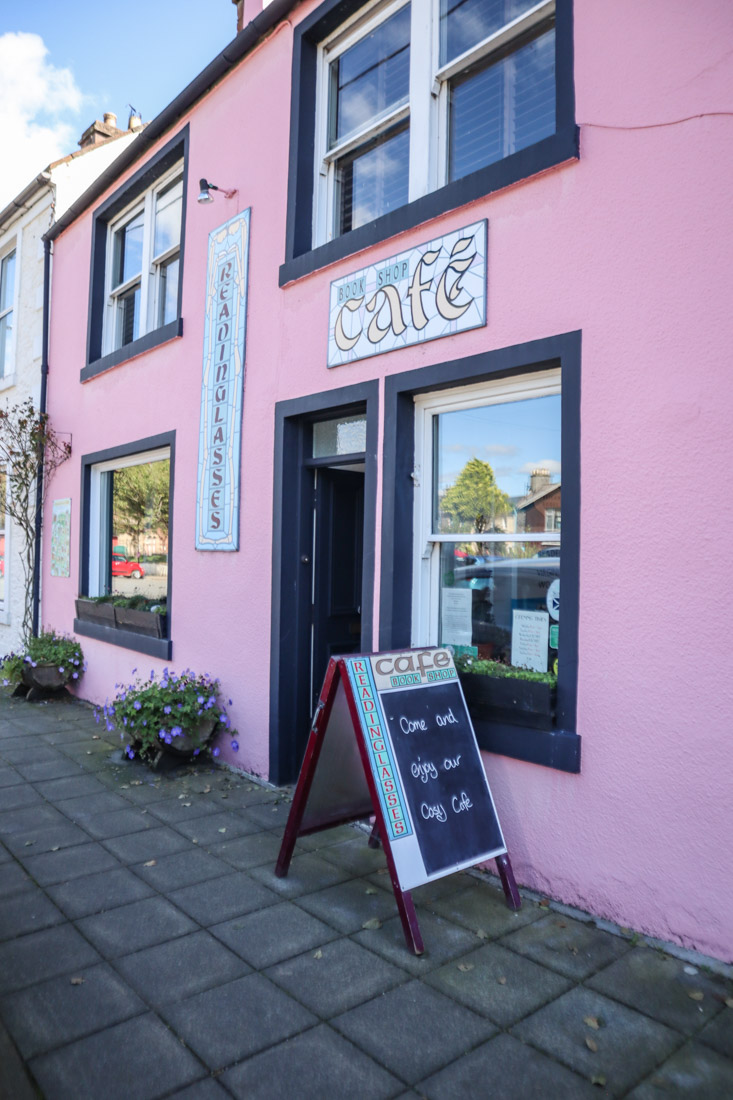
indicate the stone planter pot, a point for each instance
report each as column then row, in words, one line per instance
column 183, row 747
column 504, row 699
column 44, row 677
column 89, row 611
column 141, row 622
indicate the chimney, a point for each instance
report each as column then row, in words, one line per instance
column 539, row 479
column 240, row 14
column 99, row 132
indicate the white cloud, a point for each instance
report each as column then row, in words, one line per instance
column 39, row 105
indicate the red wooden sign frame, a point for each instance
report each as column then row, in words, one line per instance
column 336, row 675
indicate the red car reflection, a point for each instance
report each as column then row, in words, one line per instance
column 122, row 567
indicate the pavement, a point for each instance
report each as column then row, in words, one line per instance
column 148, row 950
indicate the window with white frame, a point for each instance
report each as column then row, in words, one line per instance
column 486, row 569
column 143, row 251
column 128, row 526
column 413, row 96
column 7, row 299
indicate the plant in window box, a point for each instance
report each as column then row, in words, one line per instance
column 179, row 713
column 48, row 662
column 96, row 609
column 141, row 615
column 497, row 692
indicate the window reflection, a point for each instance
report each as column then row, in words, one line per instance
column 139, row 543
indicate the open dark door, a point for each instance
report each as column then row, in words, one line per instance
column 338, row 553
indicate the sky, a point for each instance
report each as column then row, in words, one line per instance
column 62, row 65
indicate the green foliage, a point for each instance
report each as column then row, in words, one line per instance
column 475, row 501
column 140, row 603
column 29, row 451
column 48, row 648
column 140, row 499
column 472, row 665
column 152, row 713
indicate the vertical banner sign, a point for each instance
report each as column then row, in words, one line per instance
column 61, row 538
column 222, row 387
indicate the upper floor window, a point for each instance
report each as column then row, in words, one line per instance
column 7, row 298
column 407, row 104
column 144, row 251
column 403, row 109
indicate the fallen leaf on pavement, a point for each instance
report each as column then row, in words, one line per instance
column 591, row 1044
column 599, row 1079
column 544, row 903
column 373, row 923
column 481, row 934
column 465, row 967
column 222, row 830
column 695, row 995
column 95, row 737
column 592, row 1021
column 318, row 954
column 150, row 863
column 729, row 1002
column 370, row 890
column 502, row 980
column 77, row 981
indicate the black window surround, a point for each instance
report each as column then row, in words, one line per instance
column 153, row 647
column 560, row 747
column 301, row 257
column 292, row 528
column 145, row 178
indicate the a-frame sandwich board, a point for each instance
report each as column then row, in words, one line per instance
column 391, row 737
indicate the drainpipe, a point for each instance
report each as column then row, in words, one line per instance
column 42, row 409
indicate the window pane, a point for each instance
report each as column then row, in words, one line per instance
column 168, row 292
column 482, row 585
column 128, row 307
column 502, row 108
column 497, row 467
column 344, row 436
column 7, row 282
column 3, row 491
column 372, row 181
column 371, row 77
column 168, row 206
column 465, row 23
column 139, row 545
column 128, row 251
column 6, row 344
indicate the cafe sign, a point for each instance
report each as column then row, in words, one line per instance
column 434, row 290
column 222, row 387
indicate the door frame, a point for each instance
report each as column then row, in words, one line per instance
column 292, row 530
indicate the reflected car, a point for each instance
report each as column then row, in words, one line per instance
column 123, row 567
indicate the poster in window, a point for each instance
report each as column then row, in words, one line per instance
column 222, row 386
column 61, row 538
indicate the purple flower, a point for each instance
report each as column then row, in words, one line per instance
column 75, row 676
column 166, row 710
column 167, row 739
column 214, row 752
column 200, row 700
column 235, row 746
column 137, row 704
column 230, row 703
column 61, row 669
column 177, row 731
column 196, row 752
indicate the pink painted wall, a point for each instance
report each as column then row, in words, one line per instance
column 632, row 245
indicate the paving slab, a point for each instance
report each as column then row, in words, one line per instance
column 13, row 880
column 152, row 843
column 413, row 1030
column 628, row 1045
column 131, row 927
column 350, row 905
column 695, row 1071
column 9, row 777
column 355, row 855
column 244, row 852
column 55, row 1012
column 266, row 937
column 307, row 873
column 336, row 977
column 60, row 768
column 89, row 805
column 220, row 899
column 236, row 1020
column 96, row 893
column 181, row 869
column 657, row 984
column 171, row 810
column 506, row 1069
column 17, row 797
column 73, row 786
column 498, row 984
column 40, row 955
column 67, row 863
column 117, row 823
column 443, row 941
column 312, row 1066
column 171, row 971
column 48, row 838
column 38, row 816
column 482, row 906
column 216, row 828
column 719, row 1033
column 27, row 912
column 138, row 1058
column 574, row 948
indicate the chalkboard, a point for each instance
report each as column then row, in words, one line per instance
column 392, row 736
column 425, row 762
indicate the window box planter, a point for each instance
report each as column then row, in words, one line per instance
column 89, row 611
column 150, row 623
column 505, row 699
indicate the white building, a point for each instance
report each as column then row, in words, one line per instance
column 22, row 225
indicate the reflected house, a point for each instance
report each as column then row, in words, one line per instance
column 408, row 264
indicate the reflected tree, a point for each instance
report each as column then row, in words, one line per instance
column 475, row 502
column 140, row 500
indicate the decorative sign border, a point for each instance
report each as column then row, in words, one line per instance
column 384, row 770
column 222, row 386
column 433, row 290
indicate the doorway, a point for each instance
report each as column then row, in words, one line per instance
column 323, row 555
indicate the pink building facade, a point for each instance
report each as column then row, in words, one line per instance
column 503, row 241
